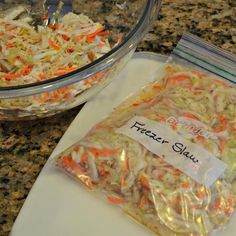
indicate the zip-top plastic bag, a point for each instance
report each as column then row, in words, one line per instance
column 167, row 155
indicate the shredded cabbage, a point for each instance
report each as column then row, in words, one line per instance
column 148, row 188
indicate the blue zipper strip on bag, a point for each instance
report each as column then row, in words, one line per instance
column 206, row 56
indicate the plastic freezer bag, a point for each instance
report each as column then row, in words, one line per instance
column 167, row 154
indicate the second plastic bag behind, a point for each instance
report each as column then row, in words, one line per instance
column 166, row 155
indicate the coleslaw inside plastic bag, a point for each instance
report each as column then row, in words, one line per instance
column 166, row 155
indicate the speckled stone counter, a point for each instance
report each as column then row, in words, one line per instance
column 26, row 146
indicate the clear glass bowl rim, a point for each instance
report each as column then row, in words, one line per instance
column 84, row 72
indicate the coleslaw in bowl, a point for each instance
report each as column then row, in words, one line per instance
column 61, row 61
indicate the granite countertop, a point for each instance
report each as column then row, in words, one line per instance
column 26, row 146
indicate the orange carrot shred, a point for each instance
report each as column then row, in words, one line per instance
column 126, row 165
column 101, row 44
column 90, row 39
column 217, row 204
column 10, row 45
column 229, row 211
column 65, row 37
column 185, row 185
column 201, row 193
column 190, row 115
column 116, row 200
column 222, row 145
column 143, row 202
column 144, row 182
column 53, row 27
column 73, row 165
column 119, row 40
column 54, row 45
column 104, row 33
column 178, row 78
column 157, row 87
column 101, row 28
column 44, row 17
column 25, row 71
column 223, row 123
column 105, row 152
column 221, row 82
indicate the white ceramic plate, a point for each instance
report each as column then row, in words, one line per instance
column 59, row 206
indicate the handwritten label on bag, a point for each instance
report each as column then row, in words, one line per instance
column 190, row 158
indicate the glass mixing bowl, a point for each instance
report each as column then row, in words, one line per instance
column 127, row 19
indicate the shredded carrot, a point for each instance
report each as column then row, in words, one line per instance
column 63, row 71
column 101, row 44
column 53, row 27
column 9, row 76
column 70, row 50
column 200, row 138
column 143, row 202
column 163, row 119
column 123, row 182
column 103, row 39
column 63, row 89
column 157, row 87
column 147, row 100
column 185, row 185
column 66, row 160
column 42, row 76
column 102, row 171
column 116, row 200
column 176, row 172
column 65, row 37
column 17, row 58
column 190, row 115
column 72, row 164
column 199, row 73
column 221, row 82
column 223, row 124
column 104, row 152
column 44, row 97
column 233, row 127
column 229, row 211
column 144, row 182
column 102, row 126
column 160, row 177
column 90, row 39
column 177, row 200
column 174, row 124
column 86, row 181
column 222, row 145
column 25, row 71
column 135, row 104
column 217, row 204
column 44, row 17
column 231, row 202
column 126, row 165
column 96, row 32
column 10, row 45
column 54, row 45
column 178, row 78
column 104, row 33
column 76, row 148
column 201, row 193
column 67, row 95
column 119, row 40
column 79, row 37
